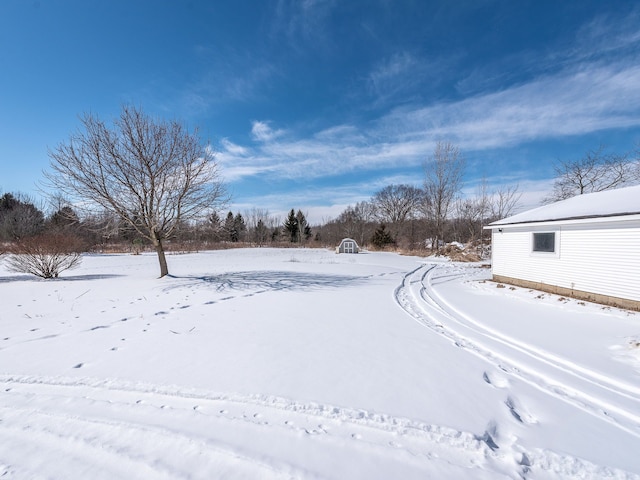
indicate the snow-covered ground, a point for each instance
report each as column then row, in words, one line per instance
column 295, row 363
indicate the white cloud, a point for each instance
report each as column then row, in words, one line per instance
column 262, row 132
column 232, row 147
column 573, row 103
column 387, row 73
column 303, row 22
column 578, row 102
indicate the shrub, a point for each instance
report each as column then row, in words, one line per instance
column 45, row 255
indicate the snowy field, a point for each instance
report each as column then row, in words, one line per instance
column 277, row 364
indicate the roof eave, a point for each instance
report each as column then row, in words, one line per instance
column 618, row 217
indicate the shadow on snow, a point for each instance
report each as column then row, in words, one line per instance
column 270, row 281
column 72, row 278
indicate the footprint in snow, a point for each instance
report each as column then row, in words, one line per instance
column 519, row 412
column 316, row 431
column 489, row 435
column 495, row 379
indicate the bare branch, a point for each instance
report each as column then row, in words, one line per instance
column 595, row 172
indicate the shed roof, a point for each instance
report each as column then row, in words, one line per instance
column 609, row 203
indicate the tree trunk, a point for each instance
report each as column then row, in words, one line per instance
column 164, row 270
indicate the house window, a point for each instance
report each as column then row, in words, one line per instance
column 544, row 242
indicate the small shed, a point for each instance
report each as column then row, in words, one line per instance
column 585, row 247
column 348, row 245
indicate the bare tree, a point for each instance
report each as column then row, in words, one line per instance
column 595, row 172
column 504, row 201
column 257, row 223
column 354, row 221
column 153, row 174
column 443, row 179
column 396, row 203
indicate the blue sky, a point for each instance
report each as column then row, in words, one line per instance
column 317, row 104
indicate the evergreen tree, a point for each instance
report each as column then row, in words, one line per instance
column 381, row 237
column 304, row 230
column 63, row 219
column 239, row 228
column 230, row 233
column 214, row 226
column 261, row 233
column 19, row 218
column 291, row 226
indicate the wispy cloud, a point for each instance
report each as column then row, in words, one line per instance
column 392, row 71
column 303, row 22
column 404, row 74
column 262, row 132
column 573, row 103
column 590, row 99
column 232, row 148
column 610, row 35
column 228, row 76
column 606, row 39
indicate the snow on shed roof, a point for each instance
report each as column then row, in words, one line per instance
column 622, row 201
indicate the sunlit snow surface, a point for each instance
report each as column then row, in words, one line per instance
column 295, row 363
column 619, row 202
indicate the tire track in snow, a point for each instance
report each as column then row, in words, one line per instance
column 579, row 386
column 136, row 430
column 106, row 418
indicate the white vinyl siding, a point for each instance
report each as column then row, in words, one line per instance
column 596, row 258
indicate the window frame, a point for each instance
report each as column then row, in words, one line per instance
column 556, row 249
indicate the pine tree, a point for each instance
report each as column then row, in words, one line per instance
column 381, row 237
column 230, row 232
column 291, row 226
column 214, row 226
column 239, row 227
column 304, row 230
column 261, row 233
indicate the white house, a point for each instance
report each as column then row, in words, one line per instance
column 587, row 247
column 347, row 245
